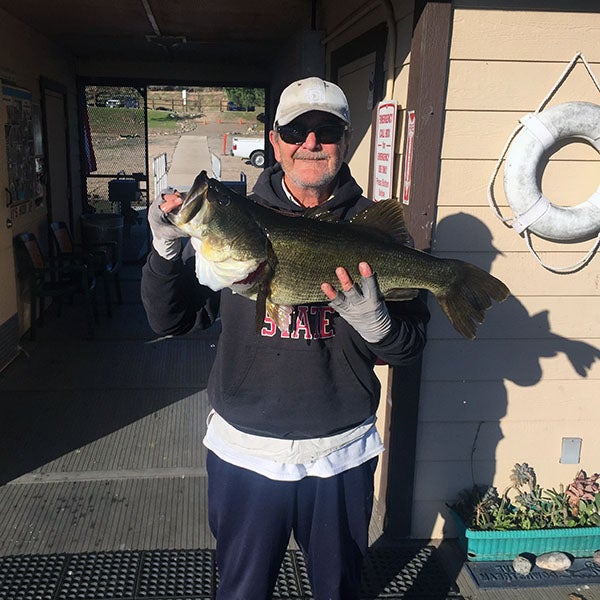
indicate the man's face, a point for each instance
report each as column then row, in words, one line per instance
column 315, row 162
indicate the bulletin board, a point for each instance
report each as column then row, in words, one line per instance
column 23, row 183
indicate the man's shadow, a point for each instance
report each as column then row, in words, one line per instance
column 464, row 386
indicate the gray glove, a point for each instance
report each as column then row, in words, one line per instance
column 364, row 309
column 166, row 238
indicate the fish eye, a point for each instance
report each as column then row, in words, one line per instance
column 218, row 195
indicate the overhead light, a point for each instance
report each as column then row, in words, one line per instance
column 169, row 42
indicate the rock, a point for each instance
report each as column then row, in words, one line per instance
column 553, row 561
column 522, row 565
column 596, row 557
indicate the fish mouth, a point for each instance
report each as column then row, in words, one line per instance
column 193, row 202
column 204, row 189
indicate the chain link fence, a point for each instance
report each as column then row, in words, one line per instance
column 117, row 125
column 117, row 178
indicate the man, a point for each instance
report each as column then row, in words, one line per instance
column 292, row 443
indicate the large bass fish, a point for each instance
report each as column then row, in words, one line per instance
column 280, row 259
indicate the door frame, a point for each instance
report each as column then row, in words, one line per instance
column 58, row 88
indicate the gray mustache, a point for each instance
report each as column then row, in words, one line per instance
column 312, row 156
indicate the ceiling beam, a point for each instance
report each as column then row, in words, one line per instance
column 151, row 18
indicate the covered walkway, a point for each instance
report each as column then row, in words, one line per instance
column 191, row 156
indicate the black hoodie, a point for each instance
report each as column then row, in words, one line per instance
column 314, row 381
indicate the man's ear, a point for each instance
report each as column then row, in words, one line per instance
column 347, row 142
column 274, row 139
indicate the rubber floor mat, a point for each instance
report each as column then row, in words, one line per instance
column 500, row 574
column 193, row 575
column 406, row 573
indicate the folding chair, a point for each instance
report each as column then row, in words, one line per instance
column 101, row 259
column 54, row 278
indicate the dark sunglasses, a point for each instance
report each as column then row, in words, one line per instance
column 325, row 134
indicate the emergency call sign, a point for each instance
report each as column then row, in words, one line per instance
column 385, row 137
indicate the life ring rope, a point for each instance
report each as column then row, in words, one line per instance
column 564, row 270
column 546, row 138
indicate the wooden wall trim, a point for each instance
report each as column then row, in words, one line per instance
column 427, row 83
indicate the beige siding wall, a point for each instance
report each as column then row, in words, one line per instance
column 532, row 376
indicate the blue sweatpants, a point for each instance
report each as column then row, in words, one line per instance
column 252, row 517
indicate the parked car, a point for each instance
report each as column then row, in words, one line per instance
column 129, row 102
column 250, row 147
column 113, row 103
column 233, row 106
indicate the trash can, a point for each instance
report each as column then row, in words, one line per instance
column 97, row 228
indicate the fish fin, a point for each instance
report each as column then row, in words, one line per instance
column 287, row 213
column 320, row 213
column 264, row 291
column 385, row 217
column 280, row 313
column 469, row 296
column 384, row 220
column 261, row 303
column 401, row 294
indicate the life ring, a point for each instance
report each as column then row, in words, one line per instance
column 523, row 173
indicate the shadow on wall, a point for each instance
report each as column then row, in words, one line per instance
column 477, row 406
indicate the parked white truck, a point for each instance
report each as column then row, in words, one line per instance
column 250, row 147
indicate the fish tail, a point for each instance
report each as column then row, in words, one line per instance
column 469, row 296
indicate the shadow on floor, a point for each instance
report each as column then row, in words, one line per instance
column 64, row 391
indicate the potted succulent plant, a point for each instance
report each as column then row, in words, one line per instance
column 527, row 518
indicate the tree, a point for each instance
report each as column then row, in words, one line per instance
column 243, row 96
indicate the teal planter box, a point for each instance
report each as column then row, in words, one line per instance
column 505, row 545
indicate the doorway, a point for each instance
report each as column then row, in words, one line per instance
column 55, row 123
column 114, row 159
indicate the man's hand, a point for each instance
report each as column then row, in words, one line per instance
column 166, row 238
column 171, row 201
column 363, row 307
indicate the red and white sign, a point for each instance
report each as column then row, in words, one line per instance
column 383, row 163
column 408, row 157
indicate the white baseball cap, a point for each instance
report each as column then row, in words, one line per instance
column 312, row 93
